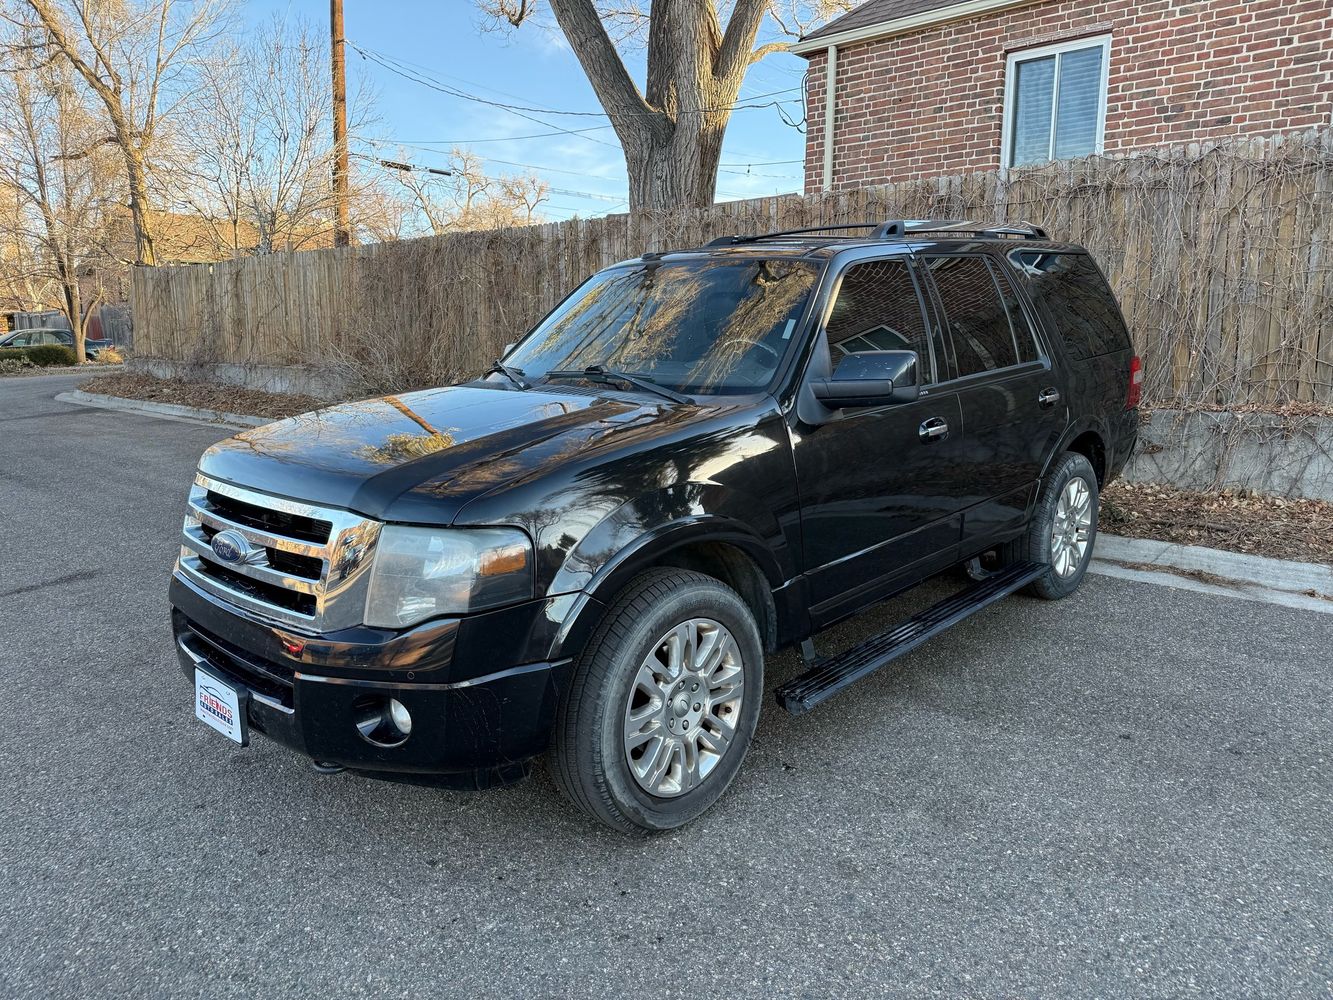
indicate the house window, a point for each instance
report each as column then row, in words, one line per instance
column 1055, row 101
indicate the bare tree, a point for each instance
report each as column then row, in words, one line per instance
column 697, row 58
column 61, row 173
column 262, row 155
column 135, row 57
column 469, row 199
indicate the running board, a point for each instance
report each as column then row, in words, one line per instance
column 829, row 676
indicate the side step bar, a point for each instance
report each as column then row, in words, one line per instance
column 827, row 677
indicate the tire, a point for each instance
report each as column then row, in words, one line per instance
column 591, row 758
column 1038, row 545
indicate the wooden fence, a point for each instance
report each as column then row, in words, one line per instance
column 1222, row 258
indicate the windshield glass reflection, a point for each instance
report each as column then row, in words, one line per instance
column 702, row 326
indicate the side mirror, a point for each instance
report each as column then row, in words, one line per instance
column 871, row 378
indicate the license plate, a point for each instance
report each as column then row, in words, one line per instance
column 221, row 706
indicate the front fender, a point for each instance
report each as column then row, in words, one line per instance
column 637, row 535
column 665, row 519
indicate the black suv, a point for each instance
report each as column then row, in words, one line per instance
column 697, row 458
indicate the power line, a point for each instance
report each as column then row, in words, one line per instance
column 586, row 194
column 407, row 168
column 425, row 80
column 510, row 138
column 729, row 168
column 444, row 89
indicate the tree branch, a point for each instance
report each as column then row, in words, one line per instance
column 614, row 87
column 768, row 50
column 734, row 54
column 51, row 22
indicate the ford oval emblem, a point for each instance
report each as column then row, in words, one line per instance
column 230, row 546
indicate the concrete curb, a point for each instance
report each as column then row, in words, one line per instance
column 1277, row 581
column 81, row 398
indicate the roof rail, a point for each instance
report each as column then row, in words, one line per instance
column 899, row 228
column 896, row 229
column 724, row 241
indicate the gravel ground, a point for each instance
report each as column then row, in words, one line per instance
column 1123, row 794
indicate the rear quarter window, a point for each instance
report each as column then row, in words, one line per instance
column 1070, row 290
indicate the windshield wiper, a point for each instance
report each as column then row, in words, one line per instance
column 600, row 373
column 514, row 375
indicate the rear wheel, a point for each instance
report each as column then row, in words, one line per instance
column 662, row 704
column 1063, row 529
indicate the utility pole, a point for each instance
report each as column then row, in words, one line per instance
column 342, row 234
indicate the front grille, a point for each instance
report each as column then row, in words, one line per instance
column 307, row 567
column 278, row 568
column 308, row 529
column 301, row 604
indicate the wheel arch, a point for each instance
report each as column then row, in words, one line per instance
column 723, row 548
column 1089, row 439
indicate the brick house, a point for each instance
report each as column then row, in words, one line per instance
column 925, row 88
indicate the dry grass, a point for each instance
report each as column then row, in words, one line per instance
column 1236, row 521
column 203, row 395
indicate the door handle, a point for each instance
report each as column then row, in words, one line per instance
column 934, row 429
column 1048, row 397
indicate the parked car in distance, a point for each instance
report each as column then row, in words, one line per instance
column 54, row 335
column 696, row 458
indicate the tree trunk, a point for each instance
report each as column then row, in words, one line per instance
column 680, row 172
column 672, row 133
column 145, row 251
column 74, row 313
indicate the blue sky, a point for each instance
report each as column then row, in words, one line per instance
column 534, row 67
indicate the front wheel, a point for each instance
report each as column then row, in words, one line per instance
column 662, row 704
column 1063, row 529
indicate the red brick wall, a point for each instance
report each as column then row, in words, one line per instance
column 929, row 103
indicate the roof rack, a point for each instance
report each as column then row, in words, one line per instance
column 723, row 241
column 896, row 229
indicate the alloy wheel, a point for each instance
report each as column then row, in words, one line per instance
column 683, row 707
column 1071, row 531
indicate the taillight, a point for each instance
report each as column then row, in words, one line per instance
column 1135, row 383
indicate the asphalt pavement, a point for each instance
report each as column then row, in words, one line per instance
column 1125, row 794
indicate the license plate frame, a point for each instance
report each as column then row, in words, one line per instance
column 222, row 706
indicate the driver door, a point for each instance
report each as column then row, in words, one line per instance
column 882, row 488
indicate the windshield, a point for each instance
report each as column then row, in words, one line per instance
column 704, row 326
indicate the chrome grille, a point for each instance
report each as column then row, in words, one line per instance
column 299, row 564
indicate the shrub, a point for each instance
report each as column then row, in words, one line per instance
column 51, row 354
column 10, row 365
column 13, row 354
column 110, row 356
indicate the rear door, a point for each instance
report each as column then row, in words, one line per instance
column 1013, row 405
column 881, row 498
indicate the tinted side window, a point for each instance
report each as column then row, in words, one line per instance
column 878, row 309
column 983, row 339
column 1078, row 301
column 1024, row 339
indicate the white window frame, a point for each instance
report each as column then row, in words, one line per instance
column 1011, row 94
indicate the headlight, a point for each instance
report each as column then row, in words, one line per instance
column 419, row 573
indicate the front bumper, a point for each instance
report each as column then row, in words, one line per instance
column 467, row 728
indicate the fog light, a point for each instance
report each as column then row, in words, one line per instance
column 400, row 716
column 384, row 722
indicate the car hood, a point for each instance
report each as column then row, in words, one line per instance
column 419, row 457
